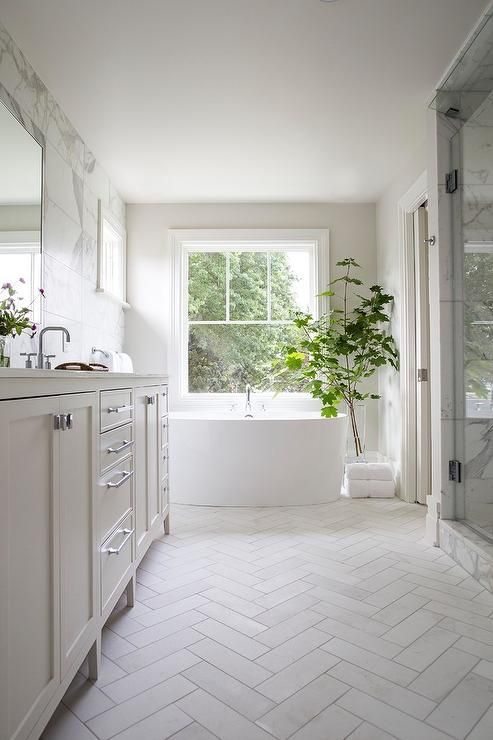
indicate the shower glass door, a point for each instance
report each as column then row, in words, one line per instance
column 474, row 316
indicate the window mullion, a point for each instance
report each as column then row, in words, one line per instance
column 269, row 275
column 228, row 276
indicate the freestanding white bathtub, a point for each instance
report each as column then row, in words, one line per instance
column 224, row 459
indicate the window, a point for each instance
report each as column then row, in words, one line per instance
column 111, row 257
column 478, row 328
column 238, row 295
column 20, row 258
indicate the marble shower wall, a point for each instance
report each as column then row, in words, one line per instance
column 74, row 181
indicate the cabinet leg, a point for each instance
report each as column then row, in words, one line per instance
column 94, row 660
column 166, row 525
column 131, row 591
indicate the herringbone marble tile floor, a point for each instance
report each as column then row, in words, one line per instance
column 310, row 623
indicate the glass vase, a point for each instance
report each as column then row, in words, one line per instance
column 356, row 434
column 5, row 351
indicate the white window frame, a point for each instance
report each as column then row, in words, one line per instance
column 105, row 215
column 182, row 242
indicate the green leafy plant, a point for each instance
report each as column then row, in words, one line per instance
column 337, row 352
column 14, row 316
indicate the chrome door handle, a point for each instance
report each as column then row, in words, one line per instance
column 119, row 409
column 125, row 477
column 151, row 400
column 116, row 550
column 70, row 420
column 63, row 422
column 126, row 443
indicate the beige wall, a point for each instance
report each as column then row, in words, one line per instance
column 388, row 268
column 352, row 230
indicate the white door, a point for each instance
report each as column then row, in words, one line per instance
column 147, row 450
column 78, row 546
column 423, row 429
column 29, row 562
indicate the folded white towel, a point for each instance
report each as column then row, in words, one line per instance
column 356, row 471
column 379, row 471
column 357, row 488
column 126, row 364
column 381, row 488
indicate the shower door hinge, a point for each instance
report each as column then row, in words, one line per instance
column 454, row 471
column 422, row 375
column 452, row 181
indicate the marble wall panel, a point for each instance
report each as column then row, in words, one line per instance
column 74, row 181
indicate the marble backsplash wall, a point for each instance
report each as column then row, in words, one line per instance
column 74, row 182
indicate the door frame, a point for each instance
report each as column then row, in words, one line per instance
column 408, row 204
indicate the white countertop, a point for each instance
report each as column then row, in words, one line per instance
column 17, row 372
column 16, row 383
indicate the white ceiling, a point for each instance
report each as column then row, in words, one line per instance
column 20, row 163
column 244, row 100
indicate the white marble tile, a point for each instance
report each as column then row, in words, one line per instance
column 227, row 689
column 443, row 675
column 376, row 664
column 340, row 722
column 62, row 238
column 297, row 675
column 230, row 662
column 63, row 185
column 122, row 716
column 230, row 638
column 461, row 710
column 140, row 680
column 483, row 729
column 387, row 718
column 282, row 656
column 220, row 719
column 297, row 710
column 159, row 726
column 426, row 649
column 65, row 725
column 142, row 657
column 96, row 179
column 382, row 689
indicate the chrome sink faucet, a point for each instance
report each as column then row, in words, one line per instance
column 248, row 403
column 41, row 356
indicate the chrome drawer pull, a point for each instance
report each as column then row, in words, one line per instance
column 119, row 409
column 125, row 443
column 116, row 550
column 126, row 477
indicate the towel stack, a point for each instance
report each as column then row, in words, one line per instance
column 117, row 362
column 369, row 480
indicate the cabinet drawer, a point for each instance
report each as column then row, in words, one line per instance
column 114, row 446
column 115, row 494
column 116, row 408
column 116, row 559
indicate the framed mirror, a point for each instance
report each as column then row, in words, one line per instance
column 21, row 205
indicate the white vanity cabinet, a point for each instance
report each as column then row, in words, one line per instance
column 48, row 571
column 147, row 465
column 75, row 478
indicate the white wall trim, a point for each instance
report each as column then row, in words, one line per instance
column 407, row 205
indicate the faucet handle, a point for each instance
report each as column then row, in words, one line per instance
column 48, row 359
column 28, row 363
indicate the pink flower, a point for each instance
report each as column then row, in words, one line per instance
column 42, row 292
column 21, row 280
column 6, row 286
